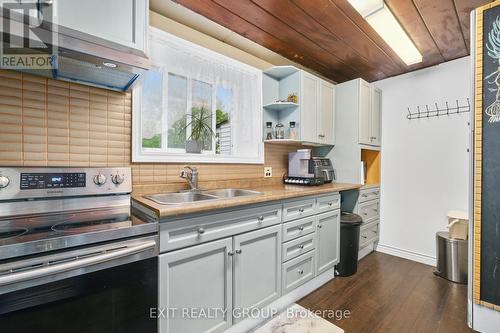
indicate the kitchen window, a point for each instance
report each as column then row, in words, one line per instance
column 196, row 105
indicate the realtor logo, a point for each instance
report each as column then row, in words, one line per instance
column 29, row 37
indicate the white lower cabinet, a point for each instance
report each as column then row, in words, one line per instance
column 198, row 277
column 256, row 268
column 327, row 241
column 237, row 272
column 261, row 255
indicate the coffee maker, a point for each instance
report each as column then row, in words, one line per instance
column 305, row 169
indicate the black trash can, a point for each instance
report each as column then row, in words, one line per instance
column 349, row 243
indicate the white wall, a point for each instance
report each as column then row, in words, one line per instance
column 425, row 162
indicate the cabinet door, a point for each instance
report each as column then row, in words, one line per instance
column 328, row 241
column 376, row 117
column 197, row 277
column 326, row 114
column 129, row 19
column 257, row 268
column 364, row 112
column 309, row 107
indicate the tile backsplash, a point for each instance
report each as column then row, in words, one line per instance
column 47, row 122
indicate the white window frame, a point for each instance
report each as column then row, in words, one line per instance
column 173, row 155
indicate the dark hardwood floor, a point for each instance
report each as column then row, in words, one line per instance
column 390, row 294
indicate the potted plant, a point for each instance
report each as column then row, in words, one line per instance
column 200, row 121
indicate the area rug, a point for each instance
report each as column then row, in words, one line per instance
column 296, row 319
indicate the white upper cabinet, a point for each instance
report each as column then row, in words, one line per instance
column 375, row 117
column 361, row 104
column 123, row 22
column 364, row 112
column 326, row 114
column 309, row 107
column 313, row 111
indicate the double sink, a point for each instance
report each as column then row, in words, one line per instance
column 180, row 198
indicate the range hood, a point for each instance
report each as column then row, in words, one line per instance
column 81, row 58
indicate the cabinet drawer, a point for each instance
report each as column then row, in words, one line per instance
column 200, row 229
column 298, row 271
column 298, row 246
column 366, row 194
column 369, row 211
column 297, row 228
column 328, row 203
column 296, row 209
column 368, row 234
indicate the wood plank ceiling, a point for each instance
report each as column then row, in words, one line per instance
column 330, row 37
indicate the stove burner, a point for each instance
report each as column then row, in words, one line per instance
column 6, row 233
column 71, row 226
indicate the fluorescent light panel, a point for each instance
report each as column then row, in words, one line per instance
column 379, row 16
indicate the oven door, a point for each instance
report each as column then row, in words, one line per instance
column 107, row 288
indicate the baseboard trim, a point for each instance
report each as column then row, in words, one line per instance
column 410, row 255
column 282, row 303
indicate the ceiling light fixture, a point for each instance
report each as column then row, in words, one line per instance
column 382, row 20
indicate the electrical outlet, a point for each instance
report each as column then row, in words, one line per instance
column 268, row 172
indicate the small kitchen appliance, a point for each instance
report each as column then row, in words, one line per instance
column 304, row 169
column 73, row 254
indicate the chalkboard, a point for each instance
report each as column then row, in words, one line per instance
column 490, row 187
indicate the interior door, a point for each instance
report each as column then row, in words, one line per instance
column 257, row 268
column 364, row 112
column 376, row 117
column 328, row 241
column 309, row 107
column 326, row 114
column 197, row 277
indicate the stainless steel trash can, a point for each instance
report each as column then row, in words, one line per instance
column 451, row 258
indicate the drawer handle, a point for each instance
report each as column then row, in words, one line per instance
column 364, row 195
column 301, row 271
column 201, row 230
column 300, row 228
column 330, row 204
column 375, row 210
column 301, row 210
column 261, row 218
column 238, row 251
column 230, row 253
column 374, row 231
column 365, row 237
column 301, row 246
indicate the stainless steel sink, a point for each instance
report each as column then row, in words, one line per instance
column 180, row 198
column 227, row 193
column 190, row 197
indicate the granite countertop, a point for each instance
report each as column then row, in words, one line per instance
column 270, row 193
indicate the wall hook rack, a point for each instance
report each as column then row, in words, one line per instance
column 438, row 112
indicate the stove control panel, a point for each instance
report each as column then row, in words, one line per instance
column 22, row 183
column 31, row 181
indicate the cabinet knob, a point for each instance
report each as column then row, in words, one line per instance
column 330, row 204
column 300, row 228
column 320, row 226
column 260, row 218
column 201, row 230
column 301, row 246
column 301, row 210
column 364, row 237
column 301, row 271
column 230, row 253
column 321, row 136
column 238, row 251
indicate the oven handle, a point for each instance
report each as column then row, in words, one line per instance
column 75, row 264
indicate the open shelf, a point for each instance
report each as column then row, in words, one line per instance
column 280, row 72
column 278, row 106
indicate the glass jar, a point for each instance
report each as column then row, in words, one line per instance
column 292, row 132
column 279, row 131
column 269, row 130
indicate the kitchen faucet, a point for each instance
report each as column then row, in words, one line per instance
column 191, row 175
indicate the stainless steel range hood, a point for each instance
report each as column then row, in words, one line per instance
column 81, row 58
